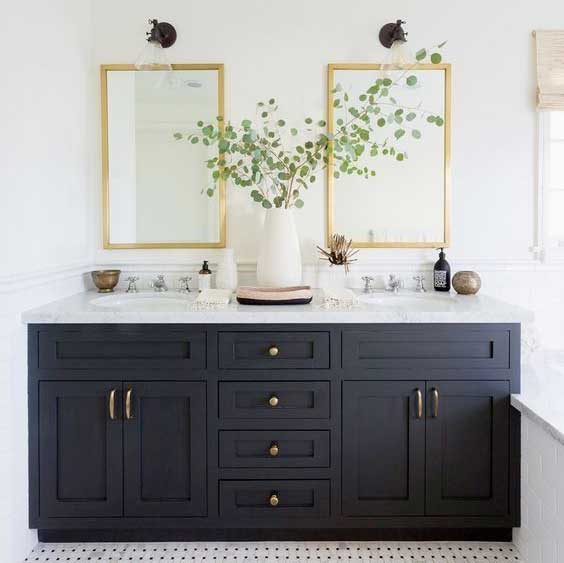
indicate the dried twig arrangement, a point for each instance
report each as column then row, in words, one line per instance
column 340, row 252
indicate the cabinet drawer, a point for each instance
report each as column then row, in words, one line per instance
column 274, row 448
column 274, row 499
column 150, row 348
column 274, row 399
column 428, row 347
column 274, row 350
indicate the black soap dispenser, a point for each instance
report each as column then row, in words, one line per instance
column 441, row 273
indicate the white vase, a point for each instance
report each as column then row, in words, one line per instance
column 280, row 261
column 226, row 276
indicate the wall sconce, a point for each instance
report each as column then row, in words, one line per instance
column 161, row 36
column 394, row 37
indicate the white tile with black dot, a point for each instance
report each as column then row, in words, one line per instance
column 278, row 552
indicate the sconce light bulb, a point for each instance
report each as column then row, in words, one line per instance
column 153, row 57
column 400, row 53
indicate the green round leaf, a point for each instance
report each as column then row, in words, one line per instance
column 281, row 123
column 410, row 116
column 322, row 123
column 200, row 124
column 439, row 121
column 420, row 55
column 399, row 157
column 416, row 134
column 431, row 119
column 294, row 131
column 266, row 204
column 210, row 192
column 436, row 58
column 272, row 101
column 309, row 120
column 194, row 140
column 299, row 203
column 381, row 122
column 411, row 80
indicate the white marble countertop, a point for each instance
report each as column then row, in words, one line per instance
column 542, row 392
column 172, row 307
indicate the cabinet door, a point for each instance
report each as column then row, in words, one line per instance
column 80, row 449
column 383, row 448
column 467, row 448
column 165, row 448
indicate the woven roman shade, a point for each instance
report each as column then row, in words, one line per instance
column 550, row 69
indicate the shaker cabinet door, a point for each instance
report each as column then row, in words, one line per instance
column 467, row 448
column 80, row 449
column 383, row 445
column 165, row 448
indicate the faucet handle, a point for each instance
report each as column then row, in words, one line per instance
column 184, row 284
column 131, row 286
column 368, row 281
column 419, row 281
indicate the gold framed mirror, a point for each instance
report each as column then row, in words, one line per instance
column 407, row 203
column 154, row 186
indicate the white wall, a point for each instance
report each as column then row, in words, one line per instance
column 46, row 223
column 282, row 49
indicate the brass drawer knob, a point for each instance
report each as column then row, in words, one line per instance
column 273, row 351
column 273, row 401
column 273, row 450
column 273, row 500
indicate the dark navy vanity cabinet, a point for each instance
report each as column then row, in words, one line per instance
column 175, row 431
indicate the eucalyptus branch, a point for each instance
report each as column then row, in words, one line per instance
column 259, row 156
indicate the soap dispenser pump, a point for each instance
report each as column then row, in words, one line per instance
column 441, row 273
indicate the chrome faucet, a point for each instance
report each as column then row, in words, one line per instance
column 184, row 284
column 419, row 284
column 132, row 285
column 159, row 284
column 368, row 284
column 394, row 284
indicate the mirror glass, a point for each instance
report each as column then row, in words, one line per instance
column 154, row 184
column 406, row 203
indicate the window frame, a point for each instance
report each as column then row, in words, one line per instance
column 546, row 251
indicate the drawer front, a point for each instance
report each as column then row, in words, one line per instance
column 273, row 350
column 151, row 348
column 274, row 499
column 430, row 347
column 274, row 448
column 274, row 399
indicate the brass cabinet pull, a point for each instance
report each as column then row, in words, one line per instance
column 128, row 414
column 274, row 450
column 273, row 500
column 273, row 401
column 274, row 351
column 419, row 407
column 435, row 410
column 112, row 404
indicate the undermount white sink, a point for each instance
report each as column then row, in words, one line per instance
column 144, row 301
column 408, row 301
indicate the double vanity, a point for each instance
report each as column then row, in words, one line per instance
column 151, row 419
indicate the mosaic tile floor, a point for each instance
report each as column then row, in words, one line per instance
column 279, row 552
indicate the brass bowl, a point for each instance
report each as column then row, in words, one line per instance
column 466, row 282
column 105, row 280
